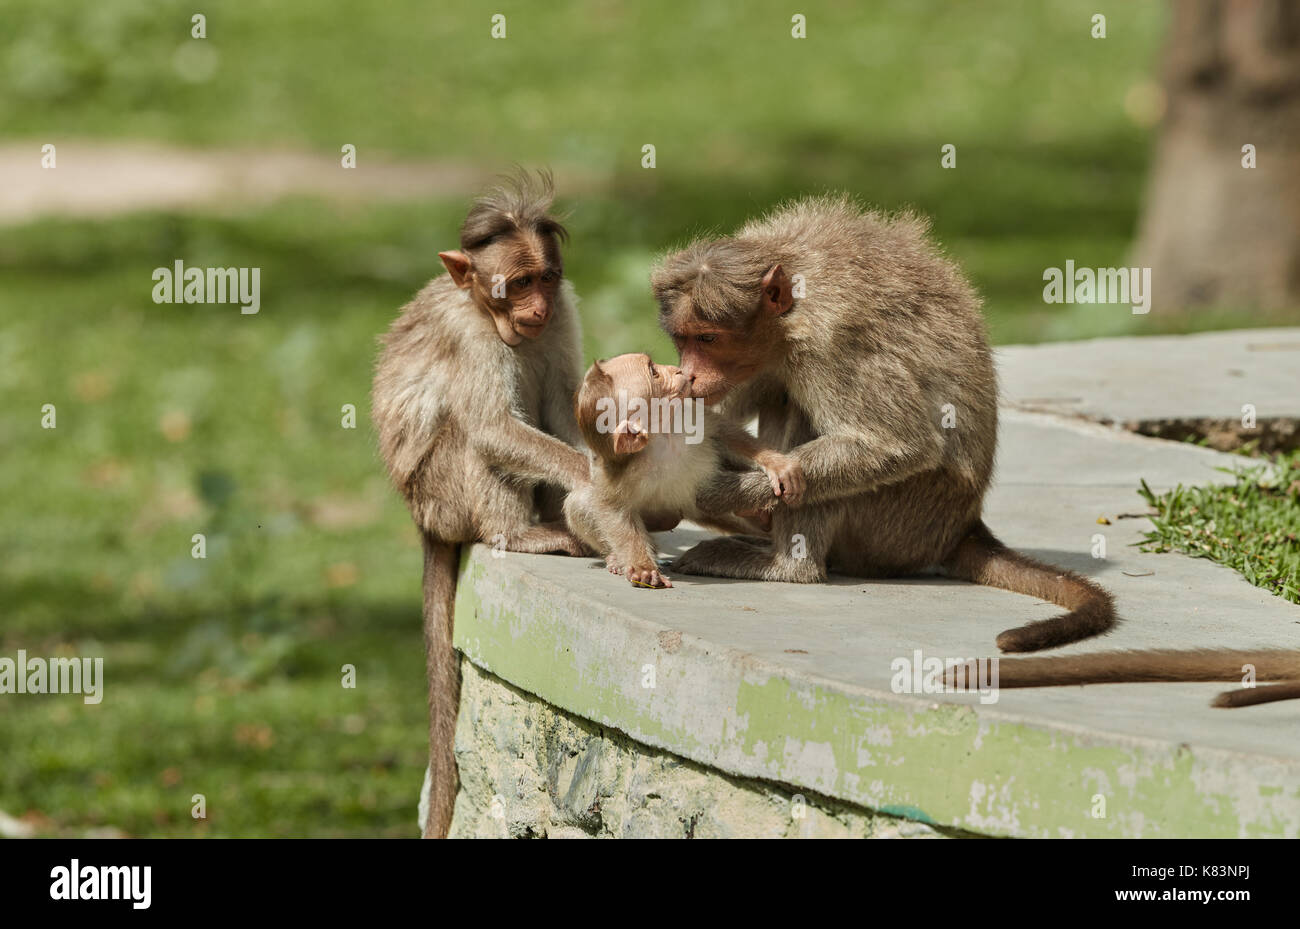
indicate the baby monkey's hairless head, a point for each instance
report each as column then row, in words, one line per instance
column 613, row 425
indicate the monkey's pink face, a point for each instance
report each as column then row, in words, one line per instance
column 715, row 360
column 528, row 305
column 517, row 286
column 721, row 351
column 612, row 404
column 669, row 381
column 639, row 376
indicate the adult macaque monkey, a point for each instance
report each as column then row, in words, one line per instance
column 862, row 351
column 472, row 401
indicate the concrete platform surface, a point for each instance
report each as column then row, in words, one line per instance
column 1126, row 380
column 792, row 683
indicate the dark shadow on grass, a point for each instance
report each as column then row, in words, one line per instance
column 1072, row 189
column 255, row 640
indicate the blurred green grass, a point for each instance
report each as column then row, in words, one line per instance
column 223, row 674
column 587, row 81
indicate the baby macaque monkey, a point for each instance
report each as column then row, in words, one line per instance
column 652, row 458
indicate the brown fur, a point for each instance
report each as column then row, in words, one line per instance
column 1125, row 667
column 442, row 666
column 851, row 379
column 1253, row 696
column 472, row 427
column 635, row 471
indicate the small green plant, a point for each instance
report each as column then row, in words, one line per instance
column 1252, row 525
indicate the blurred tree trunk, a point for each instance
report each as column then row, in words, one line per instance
column 1213, row 231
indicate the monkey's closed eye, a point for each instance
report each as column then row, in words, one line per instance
column 706, row 338
column 521, row 282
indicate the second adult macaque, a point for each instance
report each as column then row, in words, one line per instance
column 862, row 351
column 472, row 401
column 652, row 456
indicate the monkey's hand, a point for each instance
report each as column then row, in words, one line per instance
column 647, row 576
column 786, row 477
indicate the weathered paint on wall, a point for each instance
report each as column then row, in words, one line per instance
column 529, row 769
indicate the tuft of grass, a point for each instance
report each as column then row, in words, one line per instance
column 1252, row 525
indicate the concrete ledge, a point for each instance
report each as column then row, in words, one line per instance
column 788, row 687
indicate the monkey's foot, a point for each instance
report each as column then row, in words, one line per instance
column 648, row 577
column 746, row 559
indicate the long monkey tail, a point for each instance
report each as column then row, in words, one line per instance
column 1253, row 696
column 441, row 560
column 981, row 558
column 1162, row 665
column 1149, row 665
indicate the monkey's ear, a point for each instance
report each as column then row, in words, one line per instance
column 628, row 438
column 778, row 294
column 458, row 266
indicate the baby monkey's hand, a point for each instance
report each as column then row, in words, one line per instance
column 785, row 475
